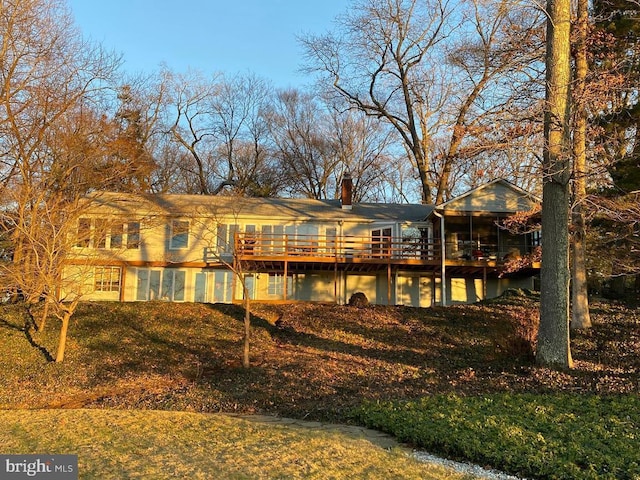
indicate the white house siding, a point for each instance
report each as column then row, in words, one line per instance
column 497, row 286
column 470, row 290
column 366, row 284
column 215, row 286
column 465, row 290
column 184, row 271
column 317, row 287
column 495, row 197
column 414, row 291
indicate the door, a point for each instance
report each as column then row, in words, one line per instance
column 381, row 242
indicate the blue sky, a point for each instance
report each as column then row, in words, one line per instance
column 233, row 36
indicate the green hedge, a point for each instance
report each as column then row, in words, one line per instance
column 555, row 436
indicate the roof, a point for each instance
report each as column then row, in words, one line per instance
column 497, row 196
column 250, row 207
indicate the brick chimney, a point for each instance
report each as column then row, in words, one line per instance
column 347, row 191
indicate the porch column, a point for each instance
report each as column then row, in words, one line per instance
column 335, row 282
column 389, row 283
column 484, row 283
column 443, row 255
column 285, row 279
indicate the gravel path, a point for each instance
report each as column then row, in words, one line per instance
column 466, row 468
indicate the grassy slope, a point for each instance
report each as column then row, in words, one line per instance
column 320, row 362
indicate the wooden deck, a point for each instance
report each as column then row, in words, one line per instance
column 307, row 253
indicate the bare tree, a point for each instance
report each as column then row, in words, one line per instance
column 399, row 61
column 47, row 69
column 616, row 224
column 205, row 222
column 382, row 62
column 47, row 229
column 553, row 335
column 191, row 126
column 362, row 146
column 301, row 136
column 55, row 148
column 214, row 121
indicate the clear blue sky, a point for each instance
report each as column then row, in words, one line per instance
column 228, row 36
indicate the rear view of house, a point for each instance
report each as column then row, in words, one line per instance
column 194, row 248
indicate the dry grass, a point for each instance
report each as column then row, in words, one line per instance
column 318, row 363
column 156, row 445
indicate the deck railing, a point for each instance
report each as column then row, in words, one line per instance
column 345, row 248
column 371, row 247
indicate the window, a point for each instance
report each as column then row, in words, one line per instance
column 223, row 282
column 100, row 232
column 107, row 234
column 331, row 235
column 221, row 239
column 381, row 242
column 536, row 238
column 276, row 284
column 83, row 238
column 167, row 284
column 226, row 237
column 117, row 232
column 107, row 279
column 179, row 234
column 200, row 290
column 133, row 235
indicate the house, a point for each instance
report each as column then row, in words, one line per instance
column 187, row 248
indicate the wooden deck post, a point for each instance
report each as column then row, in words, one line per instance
column 389, row 283
column 285, row 279
column 335, row 281
column 484, row 283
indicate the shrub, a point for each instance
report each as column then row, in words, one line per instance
column 559, row 436
column 359, row 300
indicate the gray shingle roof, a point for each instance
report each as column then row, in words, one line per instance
column 274, row 208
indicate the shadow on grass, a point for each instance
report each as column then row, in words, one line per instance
column 237, row 312
column 312, row 361
column 164, row 342
column 28, row 327
column 45, row 353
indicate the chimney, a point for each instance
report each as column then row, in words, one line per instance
column 347, row 191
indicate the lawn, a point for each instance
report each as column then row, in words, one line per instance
column 340, row 364
column 121, row 444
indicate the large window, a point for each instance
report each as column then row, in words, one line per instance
column 107, row 279
column 276, row 284
column 167, row 284
column 179, row 234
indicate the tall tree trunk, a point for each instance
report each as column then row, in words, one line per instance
column 580, row 317
column 553, row 335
